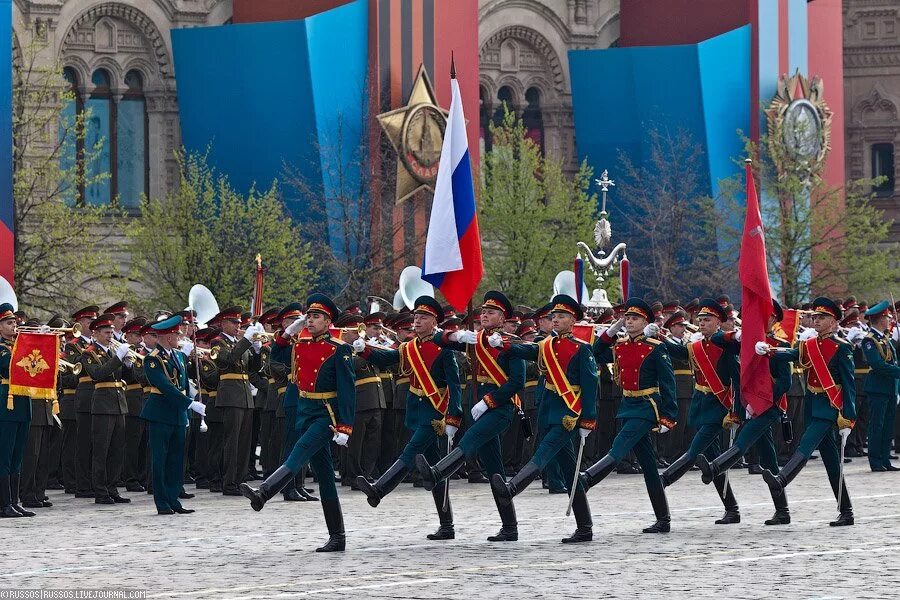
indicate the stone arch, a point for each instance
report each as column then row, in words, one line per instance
column 876, row 108
column 540, row 44
column 142, row 66
column 109, row 64
column 607, row 28
column 82, row 69
column 517, row 88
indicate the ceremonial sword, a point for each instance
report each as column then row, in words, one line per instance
column 577, row 472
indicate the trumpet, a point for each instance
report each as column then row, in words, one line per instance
column 65, row 365
column 211, row 353
column 74, row 330
column 262, row 336
column 136, row 357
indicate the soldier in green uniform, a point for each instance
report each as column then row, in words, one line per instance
column 84, row 391
column 209, row 384
column 677, row 441
column 68, row 381
column 881, row 386
column 268, row 454
column 323, row 373
column 829, row 404
column 135, row 429
column 644, row 372
column 166, row 412
column 570, row 392
column 15, row 417
column 500, row 377
column 552, row 473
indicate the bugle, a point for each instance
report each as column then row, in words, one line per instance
column 65, row 365
column 74, row 330
column 136, row 357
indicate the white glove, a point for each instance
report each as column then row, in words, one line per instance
column 359, row 345
column 844, row 432
column 464, row 337
column 808, row 334
column 584, row 432
column 855, row 334
column 122, row 351
column 203, row 426
column 251, row 331
column 651, row 330
column 663, row 429
column 198, row 407
column 257, row 347
column 762, row 348
column 479, row 409
column 495, row 340
column 253, row 390
column 895, row 334
column 341, row 439
column 696, row 337
column 615, row 327
column 737, row 335
column 186, row 346
column 44, row 329
column 295, row 327
column 451, row 432
column 192, row 390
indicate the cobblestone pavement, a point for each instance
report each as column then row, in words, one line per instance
column 225, row 550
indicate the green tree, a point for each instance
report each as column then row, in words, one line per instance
column 60, row 258
column 206, row 232
column 531, row 214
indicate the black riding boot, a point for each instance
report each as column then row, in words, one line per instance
column 660, row 509
column 584, row 531
column 597, row 472
column 782, row 514
column 786, row 474
column 509, row 529
column 300, row 486
column 720, row 465
column 505, row 492
column 444, row 468
column 446, row 530
column 846, row 509
column 334, row 519
column 385, row 484
column 267, row 490
column 6, row 509
column 732, row 512
column 14, row 496
column 677, row 469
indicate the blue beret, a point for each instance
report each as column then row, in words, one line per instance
column 879, row 309
column 167, row 326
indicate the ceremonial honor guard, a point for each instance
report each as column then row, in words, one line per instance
column 322, row 368
column 166, row 412
column 233, row 397
column 15, row 418
column 104, row 367
column 433, row 406
column 881, row 386
column 135, row 429
column 83, row 394
column 570, row 393
column 644, row 371
column 830, row 402
column 500, row 377
column 757, row 430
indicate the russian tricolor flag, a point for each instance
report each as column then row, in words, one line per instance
column 452, row 261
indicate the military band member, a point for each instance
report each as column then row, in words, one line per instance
column 500, row 377
column 15, row 417
column 830, row 402
column 209, row 383
column 234, row 398
column 433, row 406
column 119, row 313
column 881, row 386
column 757, row 430
column 135, row 428
column 644, row 372
column 269, row 456
column 104, row 367
column 83, row 394
column 68, row 383
column 713, row 407
column 323, row 372
column 676, row 442
column 570, row 393
column 166, row 412
column 35, row 464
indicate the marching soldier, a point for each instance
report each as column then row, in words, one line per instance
column 881, row 386
column 83, row 394
column 15, row 416
column 233, row 396
column 108, row 409
column 570, row 392
column 500, row 377
column 551, row 472
column 676, row 442
column 323, row 372
column 644, row 372
column 830, row 395
column 166, row 412
column 713, row 407
column 433, row 406
column 135, row 429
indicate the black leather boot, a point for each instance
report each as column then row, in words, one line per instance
column 509, row 528
column 846, row 509
column 782, row 514
column 786, row 474
column 267, row 490
column 444, row 468
column 385, row 484
column 732, row 511
column 6, row 509
column 677, row 469
column 334, row 519
column 584, row 524
column 505, row 492
column 597, row 472
column 722, row 463
column 446, row 531
column 660, row 509
column 14, row 496
column 300, row 485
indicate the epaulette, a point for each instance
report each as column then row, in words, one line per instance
column 653, row 341
column 154, row 353
column 337, row 341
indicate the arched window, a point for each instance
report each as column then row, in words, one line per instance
column 484, row 117
column 131, row 136
column 99, row 141
column 504, row 104
column 532, row 117
column 71, row 146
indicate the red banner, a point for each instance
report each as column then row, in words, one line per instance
column 789, row 326
column 34, row 366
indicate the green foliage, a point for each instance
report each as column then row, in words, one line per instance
column 206, row 232
column 531, row 214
